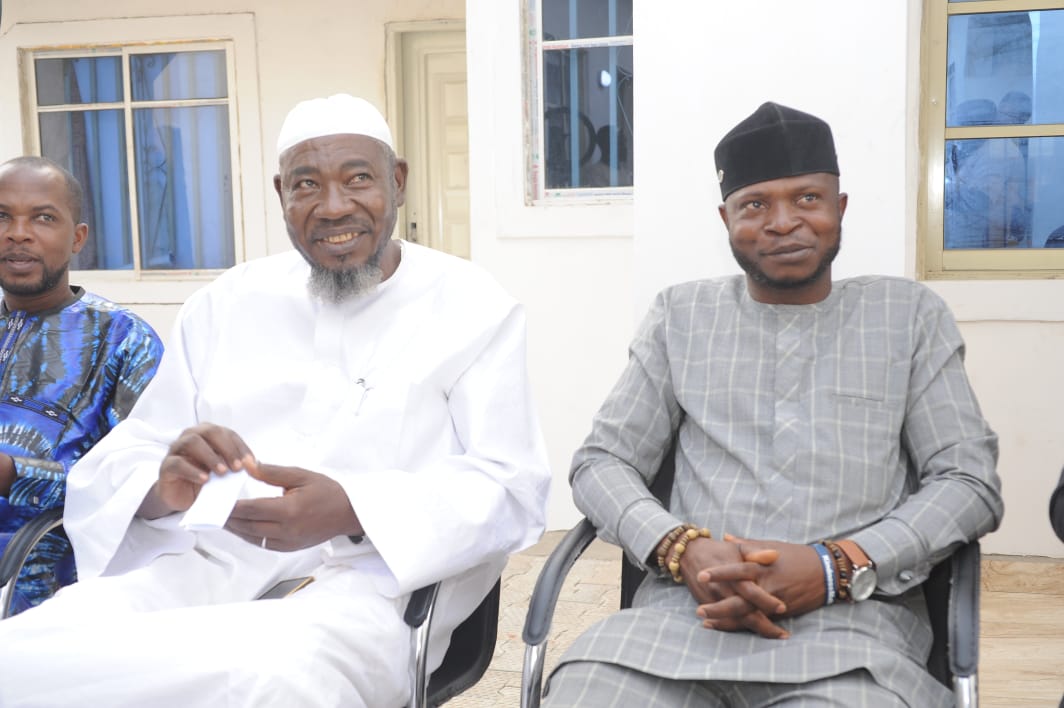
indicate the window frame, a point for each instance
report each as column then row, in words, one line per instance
column 125, row 51
column 252, row 176
column 536, row 191
column 934, row 262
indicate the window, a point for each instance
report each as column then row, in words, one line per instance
column 581, row 121
column 994, row 140
column 147, row 131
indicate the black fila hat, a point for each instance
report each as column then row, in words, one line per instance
column 773, row 142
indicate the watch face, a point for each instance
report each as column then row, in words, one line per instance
column 863, row 584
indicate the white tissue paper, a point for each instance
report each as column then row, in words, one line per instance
column 219, row 495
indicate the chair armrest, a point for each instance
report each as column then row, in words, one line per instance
column 23, row 541
column 420, row 605
column 549, row 584
column 964, row 610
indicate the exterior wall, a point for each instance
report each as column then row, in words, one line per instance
column 570, row 265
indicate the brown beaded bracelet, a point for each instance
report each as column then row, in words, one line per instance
column 666, row 544
column 842, row 565
column 680, row 546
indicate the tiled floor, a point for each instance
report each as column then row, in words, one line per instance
column 1021, row 647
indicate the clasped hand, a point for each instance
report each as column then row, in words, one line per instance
column 743, row 584
column 312, row 509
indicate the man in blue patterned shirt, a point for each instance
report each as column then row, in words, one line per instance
column 71, row 363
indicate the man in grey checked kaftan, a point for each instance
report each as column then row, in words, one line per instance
column 849, row 417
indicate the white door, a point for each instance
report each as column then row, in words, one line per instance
column 435, row 139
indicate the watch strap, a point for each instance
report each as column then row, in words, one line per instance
column 858, row 558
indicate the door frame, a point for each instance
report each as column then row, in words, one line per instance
column 393, row 89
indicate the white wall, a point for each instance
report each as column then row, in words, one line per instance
column 571, row 266
column 699, row 77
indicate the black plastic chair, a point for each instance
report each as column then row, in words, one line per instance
column 468, row 655
column 951, row 591
column 467, row 658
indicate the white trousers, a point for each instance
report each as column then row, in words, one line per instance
column 174, row 634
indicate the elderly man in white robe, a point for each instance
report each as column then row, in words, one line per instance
column 366, row 403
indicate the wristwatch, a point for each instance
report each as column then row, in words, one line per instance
column 863, row 576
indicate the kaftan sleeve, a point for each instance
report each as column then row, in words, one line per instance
column 952, row 456
column 629, row 437
column 478, row 504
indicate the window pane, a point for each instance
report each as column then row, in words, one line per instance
column 184, row 187
column 588, row 120
column 85, row 80
column 1003, row 193
column 91, row 144
column 178, row 75
column 1009, row 63
column 576, row 19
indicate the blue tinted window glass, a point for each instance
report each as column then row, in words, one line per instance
column 577, row 19
column 184, row 187
column 1003, row 68
column 1004, row 193
column 84, row 80
column 91, row 144
column 588, row 118
column 178, row 76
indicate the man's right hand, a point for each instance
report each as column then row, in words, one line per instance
column 197, row 452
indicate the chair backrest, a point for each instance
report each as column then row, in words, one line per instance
column 470, row 651
column 936, row 593
column 938, row 588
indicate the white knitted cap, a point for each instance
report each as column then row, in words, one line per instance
column 340, row 114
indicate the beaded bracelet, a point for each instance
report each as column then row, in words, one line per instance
column 680, row 546
column 829, row 572
column 842, row 565
column 666, row 544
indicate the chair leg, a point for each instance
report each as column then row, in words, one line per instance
column 965, row 691
column 419, row 651
column 532, row 675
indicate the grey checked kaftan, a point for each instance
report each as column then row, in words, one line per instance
column 852, row 417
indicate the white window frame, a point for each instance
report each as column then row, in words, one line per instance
column 536, row 192
column 127, row 105
column 233, row 32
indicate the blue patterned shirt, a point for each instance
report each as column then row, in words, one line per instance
column 66, row 378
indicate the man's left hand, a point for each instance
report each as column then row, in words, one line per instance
column 313, row 509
